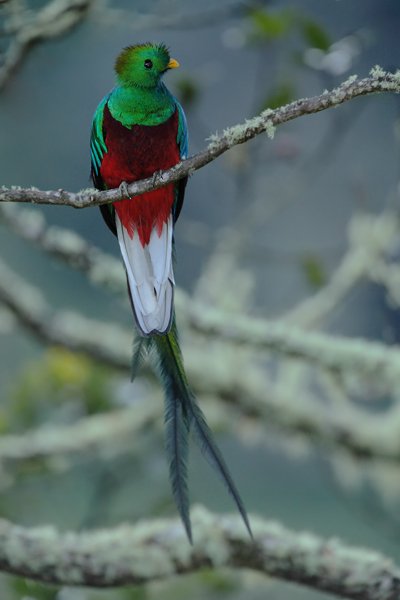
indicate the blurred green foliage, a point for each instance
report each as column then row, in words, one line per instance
column 31, row 590
column 206, row 582
column 273, row 26
column 283, row 93
column 269, row 26
column 219, row 581
column 188, row 91
column 314, row 271
column 24, row 588
column 48, row 385
column 315, row 35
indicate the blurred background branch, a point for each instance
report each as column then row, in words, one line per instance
column 371, row 363
column 27, row 27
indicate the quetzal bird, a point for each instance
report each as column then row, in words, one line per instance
column 139, row 128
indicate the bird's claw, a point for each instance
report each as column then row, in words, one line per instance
column 156, row 175
column 123, row 191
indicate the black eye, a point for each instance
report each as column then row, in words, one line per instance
column 148, row 63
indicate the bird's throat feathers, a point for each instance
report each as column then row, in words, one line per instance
column 132, row 105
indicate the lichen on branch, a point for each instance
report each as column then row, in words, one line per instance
column 158, row 549
column 379, row 81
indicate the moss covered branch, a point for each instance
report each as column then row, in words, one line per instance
column 65, row 328
column 266, row 122
column 371, row 241
column 90, row 433
column 110, row 344
column 65, row 245
column 154, row 550
column 335, row 353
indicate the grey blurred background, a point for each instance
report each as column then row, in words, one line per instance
column 279, row 209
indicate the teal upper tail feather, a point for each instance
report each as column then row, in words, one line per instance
column 182, row 415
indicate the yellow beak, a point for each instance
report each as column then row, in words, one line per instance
column 173, row 64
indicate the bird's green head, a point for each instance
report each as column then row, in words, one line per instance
column 143, row 65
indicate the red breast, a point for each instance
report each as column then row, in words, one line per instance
column 134, row 154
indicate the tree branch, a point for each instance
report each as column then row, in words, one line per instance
column 61, row 243
column 154, row 550
column 333, row 353
column 138, row 21
column 90, row 433
column 55, row 18
column 378, row 82
column 102, row 341
column 255, row 395
column 29, row 27
column 371, row 240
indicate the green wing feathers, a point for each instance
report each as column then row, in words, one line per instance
column 97, row 144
